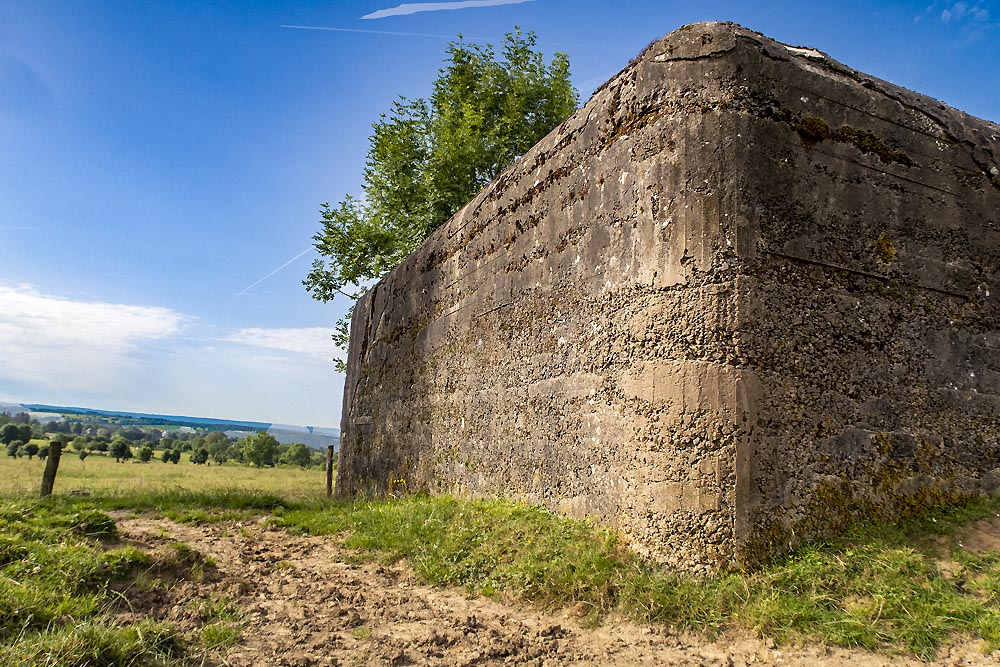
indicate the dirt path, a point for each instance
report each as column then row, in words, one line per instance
column 303, row 603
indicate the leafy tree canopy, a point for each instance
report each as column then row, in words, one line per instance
column 120, row 449
column 428, row 157
column 297, row 454
column 259, row 449
column 8, row 434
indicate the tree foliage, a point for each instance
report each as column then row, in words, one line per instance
column 428, row 157
column 9, row 433
column 259, row 449
column 297, row 454
column 120, row 449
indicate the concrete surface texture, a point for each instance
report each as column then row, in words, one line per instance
column 744, row 296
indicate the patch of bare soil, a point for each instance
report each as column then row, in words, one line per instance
column 981, row 536
column 302, row 602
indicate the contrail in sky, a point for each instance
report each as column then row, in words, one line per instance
column 416, row 7
column 370, row 32
column 247, row 289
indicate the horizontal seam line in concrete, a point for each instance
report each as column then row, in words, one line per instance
column 886, row 172
column 859, row 272
column 904, row 126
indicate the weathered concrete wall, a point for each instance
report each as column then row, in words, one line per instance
column 743, row 294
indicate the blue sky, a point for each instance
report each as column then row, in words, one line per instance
column 161, row 161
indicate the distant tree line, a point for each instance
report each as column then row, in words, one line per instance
column 22, row 436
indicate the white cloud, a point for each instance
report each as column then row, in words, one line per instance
column 963, row 11
column 314, row 342
column 970, row 21
column 417, row 7
column 151, row 359
column 50, row 340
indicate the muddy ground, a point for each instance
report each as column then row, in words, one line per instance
column 302, row 601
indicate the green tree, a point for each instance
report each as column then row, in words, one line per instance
column 120, row 449
column 165, row 456
column 82, row 454
column 199, row 456
column 175, row 456
column 218, row 448
column 43, row 452
column 297, row 454
column 259, row 449
column 427, row 158
column 215, row 438
column 145, row 453
column 14, row 449
column 221, row 455
column 30, row 449
column 8, row 433
column 132, row 433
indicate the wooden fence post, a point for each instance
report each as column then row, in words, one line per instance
column 51, row 466
column 329, row 470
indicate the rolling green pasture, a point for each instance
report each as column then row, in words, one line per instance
column 100, row 475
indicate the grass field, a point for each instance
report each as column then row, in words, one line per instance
column 906, row 587
column 101, row 475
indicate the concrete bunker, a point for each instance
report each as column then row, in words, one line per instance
column 743, row 296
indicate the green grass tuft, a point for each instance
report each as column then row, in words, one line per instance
column 220, row 634
column 93, row 643
column 55, row 574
